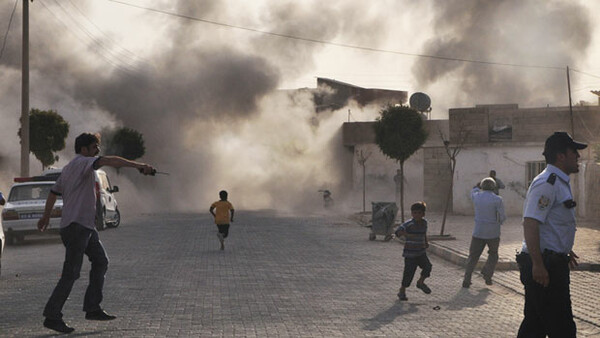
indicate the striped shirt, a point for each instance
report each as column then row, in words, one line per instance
column 416, row 237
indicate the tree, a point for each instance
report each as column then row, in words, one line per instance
column 399, row 133
column 124, row 142
column 362, row 160
column 47, row 133
column 452, row 152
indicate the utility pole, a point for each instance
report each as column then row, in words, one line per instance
column 570, row 105
column 25, row 93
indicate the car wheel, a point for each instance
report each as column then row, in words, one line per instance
column 115, row 223
column 100, row 220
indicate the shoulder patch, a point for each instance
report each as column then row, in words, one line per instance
column 543, row 202
column 551, row 179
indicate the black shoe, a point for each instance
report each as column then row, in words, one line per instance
column 58, row 325
column 466, row 284
column 402, row 295
column 424, row 287
column 99, row 315
column 488, row 280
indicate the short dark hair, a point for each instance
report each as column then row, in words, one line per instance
column 223, row 195
column 85, row 140
column 418, row 206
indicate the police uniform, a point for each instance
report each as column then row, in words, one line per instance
column 548, row 309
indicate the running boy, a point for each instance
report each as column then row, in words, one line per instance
column 415, row 232
column 222, row 219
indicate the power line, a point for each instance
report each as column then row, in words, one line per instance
column 8, row 29
column 370, row 49
column 588, row 74
column 118, row 66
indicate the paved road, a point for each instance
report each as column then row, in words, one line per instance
column 280, row 275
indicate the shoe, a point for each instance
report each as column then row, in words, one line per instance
column 488, row 280
column 402, row 295
column 99, row 315
column 424, row 287
column 466, row 284
column 58, row 325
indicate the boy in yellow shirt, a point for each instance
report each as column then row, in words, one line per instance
column 222, row 219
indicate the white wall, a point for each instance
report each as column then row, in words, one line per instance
column 473, row 164
column 380, row 172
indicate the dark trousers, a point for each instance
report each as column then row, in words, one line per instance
column 79, row 240
column 475, row 250
column 223, row 229
column 547, row 309
column 410, row 267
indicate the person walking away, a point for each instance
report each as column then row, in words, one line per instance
column 489, row 216
column 499, row 183
column 223, row 209
column 76, row 184
column 547, row 255
column 415, row 255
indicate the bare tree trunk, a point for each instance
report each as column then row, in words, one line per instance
column 402, row 191
column 449, row 195
column 364, row 187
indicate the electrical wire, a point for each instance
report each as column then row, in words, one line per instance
column 370, row 49
column 8, row 29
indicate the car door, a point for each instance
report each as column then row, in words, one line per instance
column 108, row 200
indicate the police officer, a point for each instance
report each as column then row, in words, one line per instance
column 549, row 232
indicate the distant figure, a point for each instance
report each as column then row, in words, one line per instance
column 499, row 183
column 489, row 215
column 223, row 208
column 398, row 182
column 547, row 255
column 415, row 232
column 76, row 185
column 327, row 199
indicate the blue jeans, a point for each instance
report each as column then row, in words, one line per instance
column 79, row 240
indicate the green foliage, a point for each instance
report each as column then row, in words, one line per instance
column 124, row 142
column 47, row 133
column 399, row 132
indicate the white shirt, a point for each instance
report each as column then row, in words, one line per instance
column 76, row 185
column 544, row 202
column 489, row 213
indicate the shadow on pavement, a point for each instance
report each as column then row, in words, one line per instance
column 468, row 298
column 389, row 315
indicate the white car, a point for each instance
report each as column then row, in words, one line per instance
column 25, row 206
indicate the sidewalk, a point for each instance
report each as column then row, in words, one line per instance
column 459, row 228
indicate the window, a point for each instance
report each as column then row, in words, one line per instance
column 533, row 169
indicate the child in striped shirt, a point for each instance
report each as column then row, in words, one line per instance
column 415, row 232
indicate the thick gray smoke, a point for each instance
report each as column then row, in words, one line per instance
column 205, row 100
column 529, row 32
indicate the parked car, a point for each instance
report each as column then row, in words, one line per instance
column 27, row 199
column 25, row 206
column 107, row 209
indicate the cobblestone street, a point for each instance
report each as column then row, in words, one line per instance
column 279, row 275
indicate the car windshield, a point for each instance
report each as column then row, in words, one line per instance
column 29, row 192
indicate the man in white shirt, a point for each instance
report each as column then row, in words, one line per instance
column 489, row 216
column 76, row 185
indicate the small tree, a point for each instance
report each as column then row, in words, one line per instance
column 47, row 133
column 124, row 142
column 452, row 152
column 362, row 160
column 399, row 133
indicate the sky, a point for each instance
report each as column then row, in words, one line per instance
column 201, row 80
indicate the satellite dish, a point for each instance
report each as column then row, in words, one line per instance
column 420, row 101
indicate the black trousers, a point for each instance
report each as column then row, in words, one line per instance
column 79, row 241
column 223, row 229
column 547, row 309
column 410, row 267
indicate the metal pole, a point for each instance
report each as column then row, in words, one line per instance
column 25, row 93
column 570, row 105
